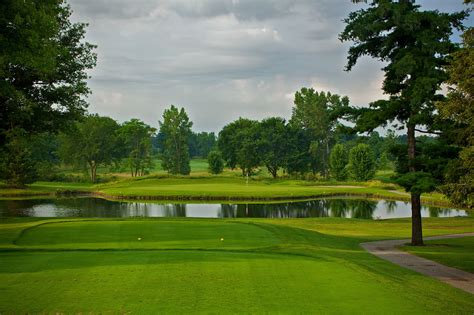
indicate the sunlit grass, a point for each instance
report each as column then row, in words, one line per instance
column 182, row 266
column 456, row 252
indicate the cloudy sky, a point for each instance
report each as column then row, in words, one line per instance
column 222, row 59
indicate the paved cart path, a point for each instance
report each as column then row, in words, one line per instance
column 388, row 250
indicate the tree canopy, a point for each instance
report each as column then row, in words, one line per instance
column 415, row 45
column 136, row 138
column 361, row 163
column 273, row 143
column 458, row 109
column 317, row 113
column 176, row 130
column 92, row 142
column 338, row 162
column 43, row 64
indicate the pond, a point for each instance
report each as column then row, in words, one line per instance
column 87, row 207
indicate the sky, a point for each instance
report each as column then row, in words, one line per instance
column 222, row 59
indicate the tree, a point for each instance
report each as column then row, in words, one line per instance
column 238, row 142
column 18, row 166
column 43, row 64
column 273, row 143
column 44, row 152
column 338, row 162
column 361, row 162
column 176, row 130
column 384, row 162
column 136, row 136
column 248, row 156
column 298, row 157
column 317, row 113
column 200, row 144
column 415, row 45
column 458, row 109
column 91, row 143
column 216, row 162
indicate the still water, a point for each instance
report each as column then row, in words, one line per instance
column 86, row 207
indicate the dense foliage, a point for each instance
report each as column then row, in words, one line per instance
column 135, row 137
column 338, row 162
column 92, row 142
column 273, row 143
column 414, row 45
column 317, row 113
column 18, row 165
column 176, row 130
column 216, row 162
column 361, row 162
column 43, row 70
column 43, row 64
column 201, row 143
column 458, row 109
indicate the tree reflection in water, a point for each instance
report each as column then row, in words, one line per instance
column 391, row 206
column 96, row 207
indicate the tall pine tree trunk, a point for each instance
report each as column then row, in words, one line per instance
column 416, row 227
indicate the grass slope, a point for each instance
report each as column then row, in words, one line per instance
column 456, row 252
column 182, row 266
column 229, row 185
column 236, row 188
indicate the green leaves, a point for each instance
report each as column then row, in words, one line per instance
column 92, row 142
column 415, row 44
column 136, row 137
column 238, row 144
column 362, row 165
column 317, row 114
column 417, row 182
column 18, row 166
column 216, row 162
column 176, row 130
column 273, row 143
column 338, row 162
column 43, row 66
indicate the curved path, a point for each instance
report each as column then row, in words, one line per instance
column 388, row 250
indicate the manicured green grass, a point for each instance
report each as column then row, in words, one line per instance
column 182, row 266
column 223, row 187
column 232, row 187
column 42, row 188
column 456, row 252
column 146, row 234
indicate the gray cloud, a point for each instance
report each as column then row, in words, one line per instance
column 220, row 59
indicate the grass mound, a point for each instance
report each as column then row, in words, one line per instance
column 138, row 234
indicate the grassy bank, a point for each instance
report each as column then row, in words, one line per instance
column 221, row 266
column 222, row 188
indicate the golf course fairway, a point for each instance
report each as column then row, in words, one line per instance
column 215, row 266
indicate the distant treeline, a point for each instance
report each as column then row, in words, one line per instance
column 301, row 147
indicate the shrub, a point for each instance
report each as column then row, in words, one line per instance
column 17, row 164
column 216, row 162
column 361, row 163
column 338, row 162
